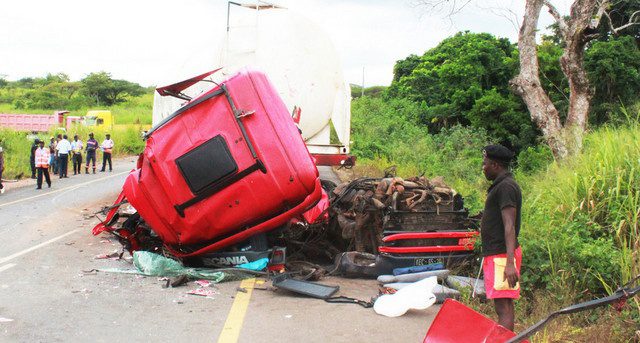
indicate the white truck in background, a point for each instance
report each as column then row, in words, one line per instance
column 300, row 60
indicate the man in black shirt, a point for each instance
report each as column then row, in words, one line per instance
column 32, row 157
column 499, row 228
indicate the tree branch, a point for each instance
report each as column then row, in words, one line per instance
column 629, row 24
column 451, row 7
column 602, row 9
column 562, row 24
column 503, row 12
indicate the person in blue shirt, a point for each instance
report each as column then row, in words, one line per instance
column 92, row 146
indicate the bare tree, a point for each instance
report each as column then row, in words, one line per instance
column 576, row 30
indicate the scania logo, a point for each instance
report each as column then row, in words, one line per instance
column 229, row 260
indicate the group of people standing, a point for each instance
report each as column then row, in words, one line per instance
column 55, row 157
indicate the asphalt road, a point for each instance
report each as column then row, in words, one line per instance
column 46, row 246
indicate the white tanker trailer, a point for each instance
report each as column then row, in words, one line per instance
column 300, row 60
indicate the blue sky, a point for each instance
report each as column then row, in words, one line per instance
column 144, row 40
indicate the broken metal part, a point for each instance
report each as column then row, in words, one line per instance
column 312, row 289
column 179, row 280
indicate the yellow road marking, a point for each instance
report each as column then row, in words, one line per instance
column 231, row 330
column 63, row 189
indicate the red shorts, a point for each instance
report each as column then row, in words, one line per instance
column 489, row 268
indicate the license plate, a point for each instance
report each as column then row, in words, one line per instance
column 425, row 261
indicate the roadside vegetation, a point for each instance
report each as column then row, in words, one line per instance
column 580, row 232
column 580, row 226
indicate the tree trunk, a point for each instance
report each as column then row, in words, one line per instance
column 572, row 66
column 576, row 31
column 527, row 84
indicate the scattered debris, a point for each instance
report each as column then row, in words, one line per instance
column 179, row 280
column 312, row 289
column 203, row 292
column 240, row 289
column 461, row 282
column 84, row 290
column 417, row 295
column 413, row 277
column 260, row 264
column 418, row 269
column 150, row 264
column 356, row 264
column 203, row 283
column 115, row 255
column 443, row 293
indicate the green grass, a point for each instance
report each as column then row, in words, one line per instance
column 17, row 145
column 591, row 204
column 16, row 149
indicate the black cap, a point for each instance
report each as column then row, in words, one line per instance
column 498, row 153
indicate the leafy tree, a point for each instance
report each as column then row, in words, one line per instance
column 25, row 82
column 453, row 75
column 107, row 91
column 405, row 67
column 464, row 80
column 614, row 68
column 504, row 119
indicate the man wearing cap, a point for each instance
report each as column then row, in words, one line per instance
column 499, row 229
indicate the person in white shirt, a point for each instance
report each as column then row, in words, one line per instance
column 107, row 148
column 64, row 147
column 76, row 147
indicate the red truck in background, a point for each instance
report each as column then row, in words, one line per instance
column 59, row 119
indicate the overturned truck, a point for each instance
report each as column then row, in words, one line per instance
column 227, row 179
column 228, row 165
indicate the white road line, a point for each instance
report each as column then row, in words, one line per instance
column 18, row 254
column 7, row 266
column 63, row 189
